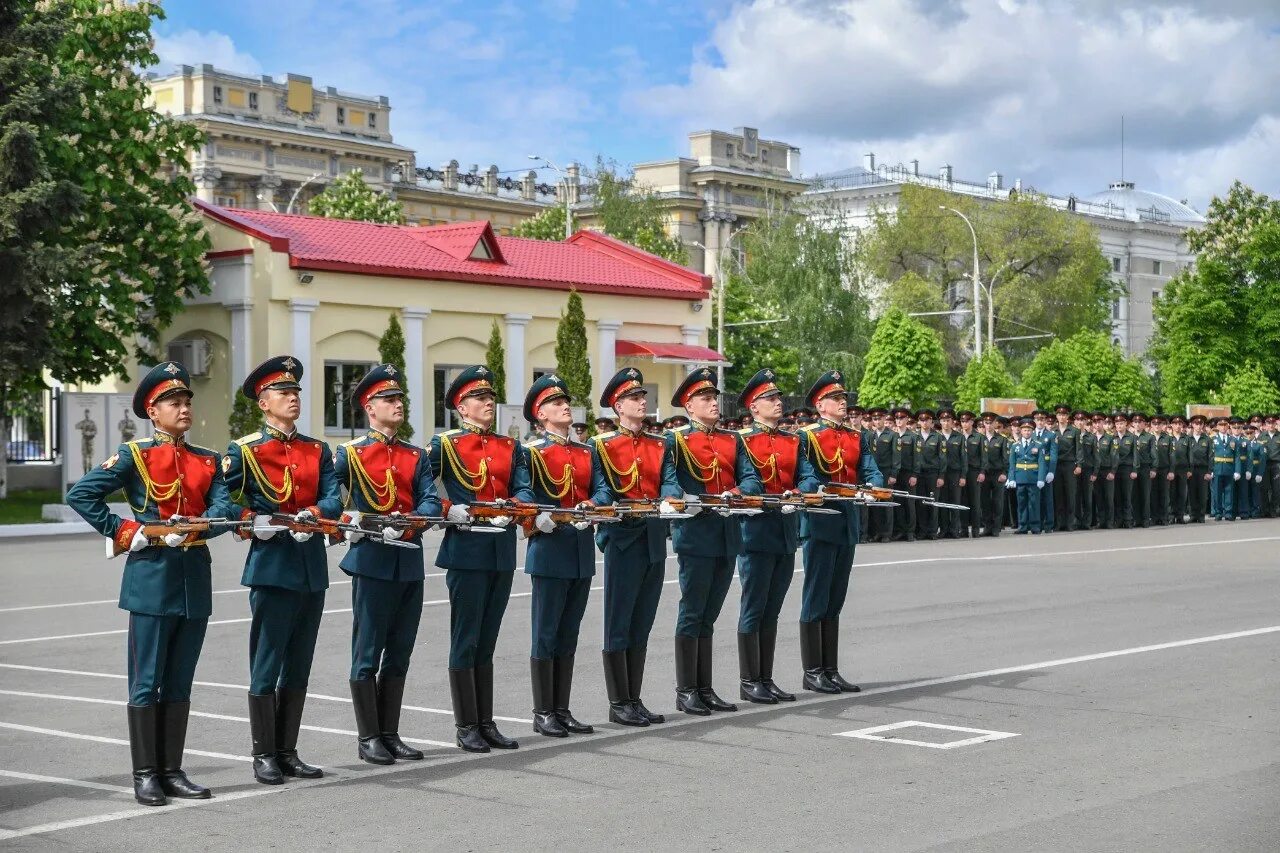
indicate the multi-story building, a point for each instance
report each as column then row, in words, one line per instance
column 1141, row 233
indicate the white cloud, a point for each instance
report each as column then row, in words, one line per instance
column 1031, row 88
column 190, row 47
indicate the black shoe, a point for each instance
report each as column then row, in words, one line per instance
column 714, row 702
column 173, row 740
column 289, row 704
column 831, row 656
column 462, row 686
column 690, row 702
column 262, row 729
column 562, row 677
column 143, row 749
column 390, row 698
column 817, row 681
column 470, row 740
column 777, row 692
column 622, row 709
column 709, row 696
column 751, row 685
column 364, row 698
column 484, row 707
column 627, row 714
column 542, row 677
column 688, row 697
column 757, row 692
column 635, row 679
column 815, row 678
column 768, row 644
column 840, row 683
column 496, row 739
column 548, row 724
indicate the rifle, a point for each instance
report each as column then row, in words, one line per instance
column 330, row 528
column 416, row 523
column 733, row 504
column 879, row 494
column 155, row 531
column 645, row 508
column 571, row 515
column 800, row 500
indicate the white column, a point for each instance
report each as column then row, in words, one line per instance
column 415, row 368
column 241, row 352
column 301, row 311
column 607, row 359
column 517, row 382
column 693, row 336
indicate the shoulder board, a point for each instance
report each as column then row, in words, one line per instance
column 682, row 428
column 449, row 432
column 723, row 431
column 746, row 430
column 606, row 435
column 810, row 427
column 201, row 449
column 536, row 443
column 352, row 443
column 246, row 439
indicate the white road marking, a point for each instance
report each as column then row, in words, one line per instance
column 874, row 733
column 115, row 740
column 211, row 716
column 58, row 780
column 605, row 733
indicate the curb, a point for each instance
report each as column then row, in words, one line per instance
column 48, row 528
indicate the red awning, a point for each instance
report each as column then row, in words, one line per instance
column 665, row 353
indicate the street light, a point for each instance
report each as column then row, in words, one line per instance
column 977, row 315
column 568, row 214
column 720, row 287
column 294, row 198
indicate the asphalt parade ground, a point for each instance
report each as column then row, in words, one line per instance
column 1111, row 690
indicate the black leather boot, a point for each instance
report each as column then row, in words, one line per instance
column 364, row 696
column 815, row 678
column 831, row 656
column 705, row 690
column 390, row 698
column 289, row 704
column 545, row 721
column 688, row 696
column 621, row 709
column 768, row 644
column 143, row 749
column 562, row 687
column 262, row 728
column 753, row 688
column 635, row 678
column 173, row 740
column 484, row 706
column 462, row 686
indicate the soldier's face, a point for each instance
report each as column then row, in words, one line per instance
column 556, row 413
column 172, row 414
column 632, row 406
column 1063, row 418
column 281, row 405
column 833, row 408
column 704, row 406
column 1025, row 431
column 877, row 422
column 767, row 409
column 479, row 409
column 386, row 412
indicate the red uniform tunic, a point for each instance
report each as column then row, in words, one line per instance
column 632, row 463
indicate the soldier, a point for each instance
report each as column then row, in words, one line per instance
column 1087, row 462
column 560, row 559
column 856, row 422
column 829, row 540
column 1256, row 471
column 708, row 461
column 884, row 447
column 1271, row 480
column 166, row 586
column 1028, row 467
column 955, row 475
column 906, row 448
column 1126, row 472
column 383, row 474
column 975, row 477
column 1201, row 461
column 1162, row 486
column 1048, row 438
column 1145, row 467
column 628, row 464
column 476, row 464
column 931, row 464
column 1226, row 471
column 1241, row 496
column 278, row 470
column 769, row 540
column 995, row 457
column 1066, row 471
column 1104, row 491
column 1181, row 469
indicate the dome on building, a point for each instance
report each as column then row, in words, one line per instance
column 1146, row 205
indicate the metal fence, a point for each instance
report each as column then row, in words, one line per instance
column 33, row 433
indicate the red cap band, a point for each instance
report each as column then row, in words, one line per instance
column 164, row 388
column 548, row 394
column 696, row 388
column 471, row 388
column 836, row 388
column 378, row 388
column 271, row 379
column 766, row 388
column 622, row 390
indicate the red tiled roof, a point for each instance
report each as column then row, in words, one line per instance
column 588, row 261
column 683, row 352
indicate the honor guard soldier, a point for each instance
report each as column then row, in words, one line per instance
column 829, row 540
column 475, row 464
column 931, row 461
column 907, row 475
column 1104, row 492
column 166, row 586
column 1202, row 465
column 884, row 447
column 955, row 474
column 561, row 558
column 383, row 475
column 769, row 540
column 278, row 470
column 1226, row 471
column 1087, row 462
column 995, row 456
column 974, row 463
column 629, row 464
column 1028, row 467
column 708, row 461
column 1066, row 470
column 1162, row 494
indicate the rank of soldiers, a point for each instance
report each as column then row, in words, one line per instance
column 743, row 500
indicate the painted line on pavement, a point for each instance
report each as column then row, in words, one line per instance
column 115, row 740
column 609, row 731
column 58, row 780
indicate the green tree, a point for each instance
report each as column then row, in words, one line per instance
column 987, row 376
column 1056, row 375
column 100, row 244
column 1248, row 390
column 495, row 358
column 1088, row 371
column 349, row 197
column 547, row 225
column 905, row 364
column 1044, row 266
column 633, row 213
column 750, row 348
column 391, row 351
column 572, row 362
column 245, row 415
column 1225, row 309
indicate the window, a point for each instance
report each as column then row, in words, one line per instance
column 1155, row 296
column 340, row 379
column 253, row 100
column 226, row 200
column 1155, row 268
column 1115, row 264
column 217, row 94
column 444, row 374
column 1115, row 310
column 373, row 120
column 728, row 150
column 342, row 115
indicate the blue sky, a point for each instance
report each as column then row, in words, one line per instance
column 1033, row 89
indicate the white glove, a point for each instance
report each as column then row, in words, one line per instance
column 1259, row 478
column 581, row 525
column 139, row 541
column 1039, row 484
column 299, row 535
column 544, row 523
column 500, row 520
column 1236, row 476
column 501, row 502
column 1010, row 484
column 787, row 509
column 306, row 516
column 389, row 533
column 665, row 507
column 1048, row 478
column 353, row 536
column 173, row 540
column 259, row 522
column 458, row 514
column 691, row 507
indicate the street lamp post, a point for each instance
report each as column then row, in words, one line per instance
column 977, row 314
column 568, row 214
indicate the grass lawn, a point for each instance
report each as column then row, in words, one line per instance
column 23, row 507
